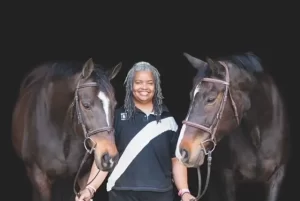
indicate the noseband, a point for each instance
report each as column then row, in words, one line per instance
column 213, row 128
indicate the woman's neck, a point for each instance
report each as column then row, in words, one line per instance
column 145, row 107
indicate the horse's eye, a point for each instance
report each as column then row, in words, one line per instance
column 86, row 106
column 211, row 99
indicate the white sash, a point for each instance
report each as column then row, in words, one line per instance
column 140, row 140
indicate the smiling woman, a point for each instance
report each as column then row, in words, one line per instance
column 142, row 87
column 146, row 137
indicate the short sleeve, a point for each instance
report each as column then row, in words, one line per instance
column 174, row 139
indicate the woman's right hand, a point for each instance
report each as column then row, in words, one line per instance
column 84, row 195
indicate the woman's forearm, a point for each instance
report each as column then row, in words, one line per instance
column 179, row 174
column 96, row 183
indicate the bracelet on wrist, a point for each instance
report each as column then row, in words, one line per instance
column 91, row 189
column 183, row 191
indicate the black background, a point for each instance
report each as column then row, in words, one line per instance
column 160, row 36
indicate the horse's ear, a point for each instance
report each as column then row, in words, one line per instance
column 216, row 68
column 114, row 71
column 88, row 68
column 195, row 62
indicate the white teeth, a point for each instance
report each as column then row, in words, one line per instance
column 144, row 93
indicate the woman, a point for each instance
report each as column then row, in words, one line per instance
column 146, row 137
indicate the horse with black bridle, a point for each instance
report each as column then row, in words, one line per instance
column 63, row 121
column 236, row 116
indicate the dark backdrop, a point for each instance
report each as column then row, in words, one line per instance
column 36, row 36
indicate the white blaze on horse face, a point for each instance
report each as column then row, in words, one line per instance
column 196, row 90
column 182, row 131
column 177, row 152
column 105, row 102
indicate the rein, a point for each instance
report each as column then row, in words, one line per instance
column 213, row 128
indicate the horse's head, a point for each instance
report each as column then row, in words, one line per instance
column 218, row 99
column 94, row 105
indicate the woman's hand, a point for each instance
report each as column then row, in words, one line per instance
column 85, row 195
column 188, row 197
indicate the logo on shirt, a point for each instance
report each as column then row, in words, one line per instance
column 123, row 116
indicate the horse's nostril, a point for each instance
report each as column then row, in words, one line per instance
column 107, row 161
column 106, row 158
column 116, row 158
column 184, row 154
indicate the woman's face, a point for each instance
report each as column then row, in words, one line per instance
column 143, row 87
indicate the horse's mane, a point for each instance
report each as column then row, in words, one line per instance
column 247, row 61
column 56, row 70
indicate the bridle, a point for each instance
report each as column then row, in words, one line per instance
column 213, row 128
column 87, row 133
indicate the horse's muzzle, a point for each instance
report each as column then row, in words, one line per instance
column 107, row 162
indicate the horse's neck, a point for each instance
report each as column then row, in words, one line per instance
column 61, row 109
column 265, row 111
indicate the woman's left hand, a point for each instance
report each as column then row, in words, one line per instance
column 188, row 197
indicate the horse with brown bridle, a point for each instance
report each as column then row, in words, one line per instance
column 237, row 117
column 63, row 115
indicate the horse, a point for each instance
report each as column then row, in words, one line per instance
column 64, row 109
column 238, row 117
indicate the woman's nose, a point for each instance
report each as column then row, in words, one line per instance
column 144, row 86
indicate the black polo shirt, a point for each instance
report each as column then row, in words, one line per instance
column 151, row 169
